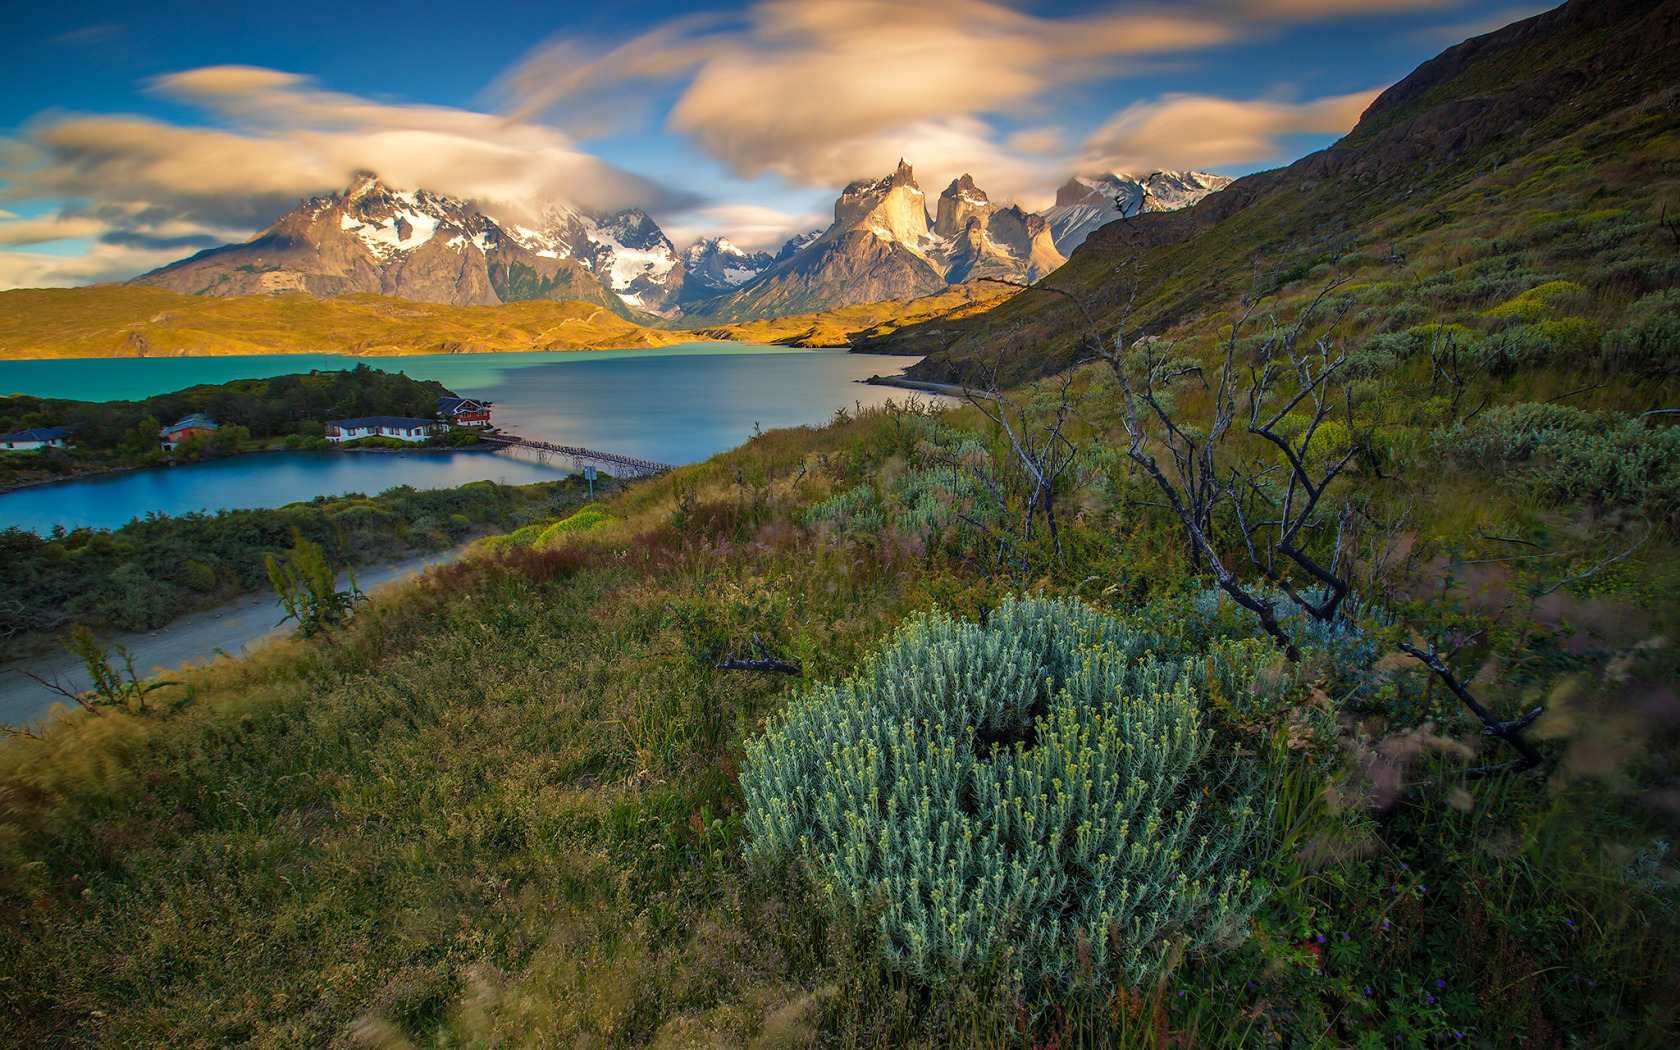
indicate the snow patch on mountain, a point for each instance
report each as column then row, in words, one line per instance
column 1086, row 202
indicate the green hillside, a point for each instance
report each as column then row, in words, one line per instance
column 1547, row 151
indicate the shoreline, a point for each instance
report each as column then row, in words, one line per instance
column 106, row 472
column 919, row 385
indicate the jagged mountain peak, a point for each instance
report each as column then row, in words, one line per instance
column 715, row 264
column 1085, row 202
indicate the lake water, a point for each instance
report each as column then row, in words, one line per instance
column 678, row 404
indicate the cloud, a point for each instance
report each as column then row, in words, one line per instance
column 40, row 231
column 1202, row 131
column 19, row 269
column 751, row 227
column 823, row 91
column 279, row 138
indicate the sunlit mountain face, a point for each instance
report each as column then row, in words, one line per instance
column 626, row 141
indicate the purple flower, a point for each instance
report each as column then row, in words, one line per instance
column 1440, row 983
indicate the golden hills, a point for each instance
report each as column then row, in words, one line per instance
column 129, row 321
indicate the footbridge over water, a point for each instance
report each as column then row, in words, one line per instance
column 614, row 464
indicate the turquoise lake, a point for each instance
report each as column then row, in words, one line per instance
column 676, row 405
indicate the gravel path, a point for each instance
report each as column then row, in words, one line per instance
column 237, row 628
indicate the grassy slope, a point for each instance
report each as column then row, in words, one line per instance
column 1475, row 164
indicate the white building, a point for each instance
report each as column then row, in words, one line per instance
column 40, row 437
column 399, row 427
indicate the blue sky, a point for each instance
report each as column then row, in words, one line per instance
column 134, row 133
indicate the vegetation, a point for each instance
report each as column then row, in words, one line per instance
column 1329, row 543
column 308, row 589
column 294, row 408
column 153, row 569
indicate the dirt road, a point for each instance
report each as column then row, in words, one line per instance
column 237, row 628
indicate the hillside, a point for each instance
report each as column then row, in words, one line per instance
column 126, row 321
column 1545, row 150
column 849, row 325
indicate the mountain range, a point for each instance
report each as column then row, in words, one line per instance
column 883, row 244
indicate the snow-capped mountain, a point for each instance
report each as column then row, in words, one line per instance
column 796, row 243
column 1086, row 202
column 434, row 248
column 713, row 264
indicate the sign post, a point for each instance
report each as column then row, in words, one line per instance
column 589, row 476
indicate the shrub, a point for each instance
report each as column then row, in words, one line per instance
column 1649, row 336
column 855, row 510
column 591, row 517
column 1538, row 301
column 1033, row 794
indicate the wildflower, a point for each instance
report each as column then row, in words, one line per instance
column 1439, row 983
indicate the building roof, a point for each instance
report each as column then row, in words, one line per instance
column 393, row 422
column 39, row 434
column 196, row 421
column 452, row 405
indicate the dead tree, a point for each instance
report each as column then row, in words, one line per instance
column 765, row 662
column 1510, row 732
column 1043, row 452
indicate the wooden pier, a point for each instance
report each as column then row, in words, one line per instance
column 616, row 465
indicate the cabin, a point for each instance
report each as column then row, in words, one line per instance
column 39, row 437
column 464, row 411
column 186, row 429
column 400, row 427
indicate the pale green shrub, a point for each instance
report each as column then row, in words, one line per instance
column 856, row 510
column 1035, row 794
column 1649, row 335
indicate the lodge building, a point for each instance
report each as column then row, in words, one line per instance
column 403, row 428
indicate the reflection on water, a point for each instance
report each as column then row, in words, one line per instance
column 672, row 405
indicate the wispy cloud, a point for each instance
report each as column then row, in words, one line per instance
column 751, row 227
column 1202, row 131
column 821, row 91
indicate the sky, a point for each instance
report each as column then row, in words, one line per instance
column 134, row 133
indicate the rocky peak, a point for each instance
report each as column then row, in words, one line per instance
column 961, row 201
column 1085, row 202
column 892, row 207
column 715, row 264
column 795, row 243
